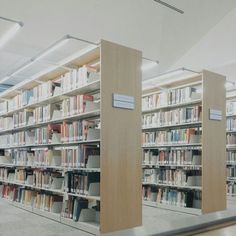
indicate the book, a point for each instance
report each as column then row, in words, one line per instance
column 172, row 136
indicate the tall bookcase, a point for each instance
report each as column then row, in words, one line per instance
column 231, row 144
column 184, row 144
column 70, row 141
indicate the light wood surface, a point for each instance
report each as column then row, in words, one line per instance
column 121, row 203
column 213, row 144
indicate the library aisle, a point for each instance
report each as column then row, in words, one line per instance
column 26, row 223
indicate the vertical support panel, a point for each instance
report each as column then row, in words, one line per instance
column 213, row 144
column 121, row 200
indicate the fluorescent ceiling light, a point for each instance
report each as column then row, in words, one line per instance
column 148, row 66
column 11, row 32
column 51, row 49
column 229, row 84
column 171, row 76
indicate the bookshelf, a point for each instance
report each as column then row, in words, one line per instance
column 231, row 145
column 64, row 154
column 183, row 141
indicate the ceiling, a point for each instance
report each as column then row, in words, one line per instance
column 176, row 40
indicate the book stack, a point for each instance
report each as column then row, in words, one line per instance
column 177, row 136
column 170, row 97
column 47, row 157
column 173, row 197
column 77, row 105
column 9, row 192
column 73, row 208
column 23, row 118
column 79, row 77
column 173, row 117
column 231, row 139
column 3, row 107
column 174, row 156
column 23, row 157
column 231, row 171
column 79, row 183
column 78, row 156
column 48, row 202
column 79, row 130
column 231, row 189
column 231, row 108
column 231, row 157
column 6, row 123
column 47, row 179
column 45, row 90
column 231, row 124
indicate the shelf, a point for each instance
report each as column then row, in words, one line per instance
column 198, row 101
column 231, row 146
column 52, row 167
column 188, row 210
column 59, row 192
column 231, row 163
column 89, row 114
column 171, row 145
column 231, row 131
column 233, row 179
column 174, row 186
column 172, row 165
column 56, row 191
column 91, row 87
column 51, row 144
column 47, row 214
column 190, row 124
column 97, row 198
column 232, row 115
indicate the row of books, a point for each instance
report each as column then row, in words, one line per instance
column 74, row 208
column 78, row 104
column 69, row 106
column 73, row 182
column 231, row 124
column 71, row 80
column 37, row 178
column 231, row 139
column 82, row 183
column 172, row 117
column 231, row 108
column 38, row 93
column 79, row 130
column 178, row 136
column 79, row 77
column 87, row 156
column 231, row 188
column 178, row 177
column 231, row 157
column 53, row 133
column 172, row 157
column 231, row 171
column 81, row 156
column 170, row 97
column 39, row 200
column 173, row 197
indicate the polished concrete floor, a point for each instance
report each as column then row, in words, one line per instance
column 16, row 222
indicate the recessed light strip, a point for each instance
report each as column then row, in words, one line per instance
column 11, row 32
column 50, row 49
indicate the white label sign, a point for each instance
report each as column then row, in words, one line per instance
column 215, row 114
column 122, row 101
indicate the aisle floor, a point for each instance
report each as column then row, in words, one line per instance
column 15, row 222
